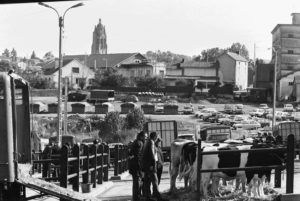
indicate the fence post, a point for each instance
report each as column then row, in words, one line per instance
column 76, row 167
column 277, row 178
column 116, row 160
column 85, row 176
column 100, row 163
column 199, row 164
column 290, row 164
column 120, row 159
column 106, row 161
column 64, row 166
column 94, row 165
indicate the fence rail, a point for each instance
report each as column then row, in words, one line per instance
column 290, row 150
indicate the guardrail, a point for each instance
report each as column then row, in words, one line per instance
column 290, row 150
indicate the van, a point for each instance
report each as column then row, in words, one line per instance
column 229, row 108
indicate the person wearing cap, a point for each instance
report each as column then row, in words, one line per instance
column 160, row 159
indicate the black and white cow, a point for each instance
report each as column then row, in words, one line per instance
column 187, row 166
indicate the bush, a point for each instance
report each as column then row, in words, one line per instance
column 111, row 126
column 135, row 119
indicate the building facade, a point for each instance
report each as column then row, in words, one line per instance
column 286, row 42
column 205, row 73
column 233, row 70
column 99, row 45
column 77, row 74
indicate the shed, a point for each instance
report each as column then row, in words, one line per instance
column 127, row 107
column 78, row 108
column 171, row 109
column 148, row 108
column 52, row 108
column 104, row 108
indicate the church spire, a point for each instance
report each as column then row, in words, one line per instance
column 99, row 45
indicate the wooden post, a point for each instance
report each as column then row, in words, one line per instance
column 76, row 167
column 85, row 176
column 100, row 163
column 116, row 160
column 199, row 164
column 64, row 166
column 106, row 161
column 120, row 159
column 290, row 164
column 277, row 178
column 94, row 165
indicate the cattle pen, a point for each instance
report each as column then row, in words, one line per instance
column 289, row 165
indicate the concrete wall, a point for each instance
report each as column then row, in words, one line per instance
column 227, row 68
column 241, row 74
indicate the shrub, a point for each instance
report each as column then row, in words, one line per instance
column 111, row 125
column 135, row 119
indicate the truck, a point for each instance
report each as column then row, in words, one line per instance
column 101, row 96
column 167, row 131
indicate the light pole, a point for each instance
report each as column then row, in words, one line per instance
column 274, row 89
column 61, row 26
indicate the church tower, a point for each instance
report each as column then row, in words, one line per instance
column 99, row 45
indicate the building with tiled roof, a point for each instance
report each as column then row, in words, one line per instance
column 233, row 69
column 127, row 64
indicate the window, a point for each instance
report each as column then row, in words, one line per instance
column 291, row 35
column 161, row 73
column 75, row 70
column 291, row 83
column 148, row 72
column 290, row 51
column 140, row 72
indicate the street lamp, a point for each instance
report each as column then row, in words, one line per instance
column 61, row 26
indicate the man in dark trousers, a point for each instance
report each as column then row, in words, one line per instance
column 135, row 167
column 160, row 159
column 149, row 164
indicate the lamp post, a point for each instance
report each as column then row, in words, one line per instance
column 61, row 26
column 274, row 89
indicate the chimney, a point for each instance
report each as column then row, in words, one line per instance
column 296, row 18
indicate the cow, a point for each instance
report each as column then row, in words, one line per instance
column 175, row 162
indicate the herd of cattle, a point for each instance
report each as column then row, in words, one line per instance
column 184, row 156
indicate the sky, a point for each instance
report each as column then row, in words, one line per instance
column 180, row 26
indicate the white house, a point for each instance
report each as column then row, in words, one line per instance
column 233, row 69
column 76, row 72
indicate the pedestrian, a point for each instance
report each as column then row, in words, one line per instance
column 149, row 164
column 135, row 167
column 160, row 159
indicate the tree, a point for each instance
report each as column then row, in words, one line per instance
column 111, row 125
column 211, row 55
column 5, row 66
column 6, row 53
column 33, row 56
column 197, row 58
column 135, row 119
column 149, row 82
column 48, row 56
column 240, row 49
column 13, row 54
column 109, row 78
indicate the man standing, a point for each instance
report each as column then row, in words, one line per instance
column 135, row 167
column 149, row 164
column 160, row 159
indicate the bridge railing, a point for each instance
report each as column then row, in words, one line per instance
column 289, row 165
column 120, row 159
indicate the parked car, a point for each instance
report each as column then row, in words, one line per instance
column 297, row 108
column 207, row 112
column 257, row 112
column 131, row 98
column 229, row 108
column 159, row 107
column 247, row 125
column 263, row 106
column 188, row 109
column 215, row 118
column 288, row 108
column 239, row 109
column 279, row 115
column 296, row 116
column 232, row 119
column 200, row 107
